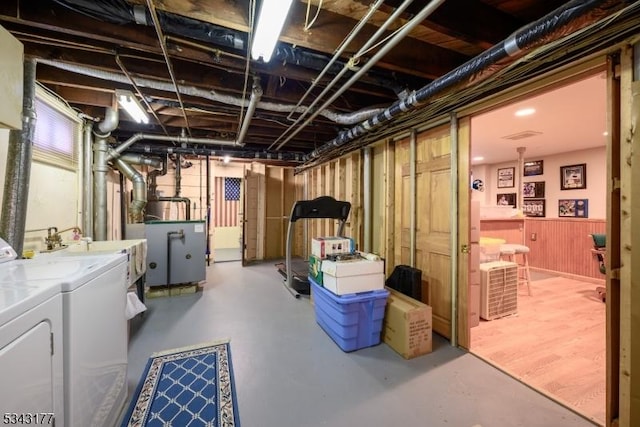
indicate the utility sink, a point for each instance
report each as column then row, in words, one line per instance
column 136, row 250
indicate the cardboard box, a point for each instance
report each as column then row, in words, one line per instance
column 407, row 325
column 352, row 267
column 325, row 246
column 353, row 284
column 315, row 271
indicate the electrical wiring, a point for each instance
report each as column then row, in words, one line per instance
column 307, row 24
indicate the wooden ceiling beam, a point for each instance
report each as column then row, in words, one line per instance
column 427, row 61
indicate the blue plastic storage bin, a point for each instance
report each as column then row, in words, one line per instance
column 353, row 321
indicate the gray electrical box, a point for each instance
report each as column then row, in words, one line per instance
column 176, row 251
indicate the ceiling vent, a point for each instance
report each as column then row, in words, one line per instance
column 522, row 135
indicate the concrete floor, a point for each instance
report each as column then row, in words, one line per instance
column 288, row 372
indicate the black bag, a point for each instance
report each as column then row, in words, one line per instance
column 406, row 280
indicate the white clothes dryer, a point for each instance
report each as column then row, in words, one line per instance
column 31, row 353
column 93, row 290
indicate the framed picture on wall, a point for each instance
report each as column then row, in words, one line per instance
column 506, row 177
column 533, row 190
column 535, row 208
column 573, row 177
column 533, row 168
column 506, row 199
column 574, row 208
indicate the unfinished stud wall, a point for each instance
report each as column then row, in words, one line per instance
column 342, row 180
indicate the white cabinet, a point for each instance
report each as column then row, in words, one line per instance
column 11, row 80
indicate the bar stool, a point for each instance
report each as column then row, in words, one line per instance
column 510, row 252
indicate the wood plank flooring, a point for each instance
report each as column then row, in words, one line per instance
column 555, row 344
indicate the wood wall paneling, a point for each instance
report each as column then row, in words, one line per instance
column 564, row 245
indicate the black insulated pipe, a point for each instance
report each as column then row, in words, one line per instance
column 544, row 30
column 254, row 155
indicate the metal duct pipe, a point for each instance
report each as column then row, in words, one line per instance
column 100, row 170
column 256, row 94
column 139, row 189
column 397, row 37
column 87, row 179
column 344, row 119
column 153, row 177
column 139, row 159
column 110, row 122
column 518, row 180
column 18, row 173
column 477, row 69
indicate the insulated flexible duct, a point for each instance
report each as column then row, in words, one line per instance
column 341, row 118
column 17, row 175
column 553, row 26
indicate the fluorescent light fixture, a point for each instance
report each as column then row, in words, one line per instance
column 525, row 112
column 478, row 159
column 605, row 133
column 273, row 13
column 129, row 102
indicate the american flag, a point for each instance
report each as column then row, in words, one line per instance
column 226, row 202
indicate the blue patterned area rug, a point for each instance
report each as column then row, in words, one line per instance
column 190, row 386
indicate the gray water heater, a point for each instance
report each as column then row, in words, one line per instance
column 176, row 251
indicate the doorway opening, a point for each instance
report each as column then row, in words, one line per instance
column 539, row 170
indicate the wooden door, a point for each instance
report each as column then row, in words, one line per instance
column 432, row 221
column 468, row 290
column 250, row 220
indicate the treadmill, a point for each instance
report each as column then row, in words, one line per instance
column 324, row 207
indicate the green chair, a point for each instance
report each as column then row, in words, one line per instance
column 599, row 250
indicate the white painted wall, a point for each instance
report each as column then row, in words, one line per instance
column 596, row 161
column 54, row 199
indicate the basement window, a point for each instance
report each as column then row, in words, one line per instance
column 58, row 132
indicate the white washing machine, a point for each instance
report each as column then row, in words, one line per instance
column 93, row 290
column 31, row 351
